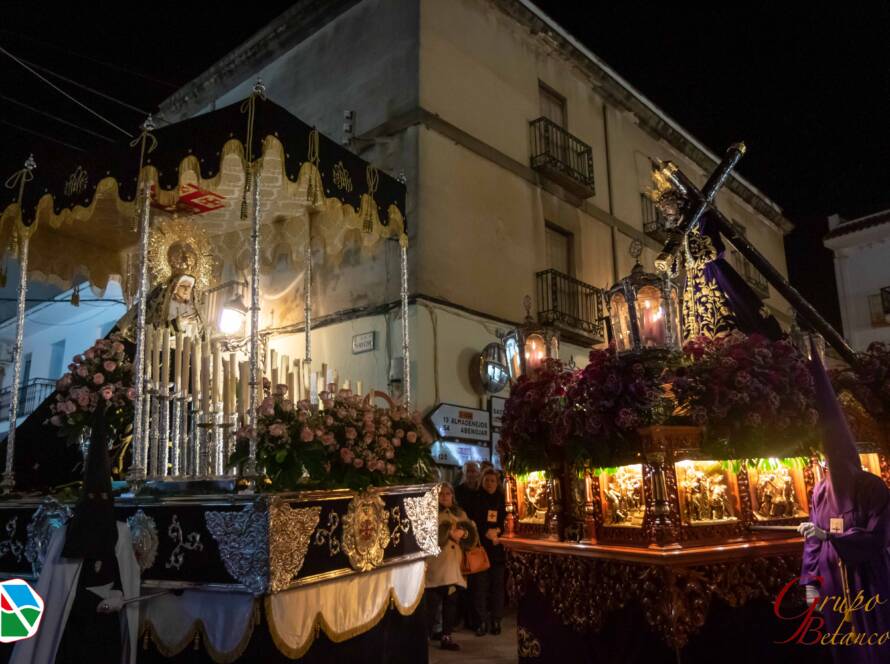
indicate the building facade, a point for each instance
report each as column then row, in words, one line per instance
column 55, row 331
column 863, row 276
column 527, row 166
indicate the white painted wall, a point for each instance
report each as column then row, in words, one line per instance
column 862, row 268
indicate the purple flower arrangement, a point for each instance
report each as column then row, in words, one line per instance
column 753, row 396
column 869, row 381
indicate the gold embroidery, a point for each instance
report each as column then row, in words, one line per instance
column 365, row 531
column 529, row 646
column 289, row 534
column 706, row 310
column 341, row 177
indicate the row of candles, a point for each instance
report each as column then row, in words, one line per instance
column 197, row 395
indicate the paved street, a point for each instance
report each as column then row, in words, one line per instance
column 478, row 650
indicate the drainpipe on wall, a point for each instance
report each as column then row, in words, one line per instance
column 614, row 230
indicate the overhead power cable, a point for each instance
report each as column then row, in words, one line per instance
column 98, row 93
column 83, row 56
column 43, row 136
column 61, row 91
column 57, row 119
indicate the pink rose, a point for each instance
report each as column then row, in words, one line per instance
column 328, row 439
column 69, row 407
column 277, row 430
column 400, row 433
column 98, row 379
column 389, row 454
column 267, row 411
column 107, row 392
column 109, row 365
column 131, row 393
column 82, row 371
column 117, row 347
column 390, row 469
column 56, row 421
column 307, row 435
column 287, row 405
column 346, row 454
column 358, row 463
column 411, row 436
column 64, row 382
column 397, row 442
column 83, row 399
column 351, row 433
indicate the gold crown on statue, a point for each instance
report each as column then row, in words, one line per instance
column 179, row 248
column 661, row 183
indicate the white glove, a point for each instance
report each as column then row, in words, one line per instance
column 812, row 595
column 808, row 529
column 111, row 604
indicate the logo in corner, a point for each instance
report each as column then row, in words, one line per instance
column 20, row 610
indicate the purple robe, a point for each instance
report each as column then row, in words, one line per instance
column 863, row 547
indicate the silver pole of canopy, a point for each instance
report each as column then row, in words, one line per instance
column 139, row 447
column 24, row 237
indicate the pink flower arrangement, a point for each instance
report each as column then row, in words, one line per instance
column 102, row 375
column 869, row 380
column 350, row 443
column 753, row 396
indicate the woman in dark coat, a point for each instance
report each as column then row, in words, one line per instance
column 487, row 588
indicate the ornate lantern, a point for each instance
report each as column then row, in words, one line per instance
column 528, row 345
column 644, row 310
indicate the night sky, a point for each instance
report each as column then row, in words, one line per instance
column 806, row 86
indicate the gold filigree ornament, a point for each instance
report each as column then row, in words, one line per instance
column 289, row 535
column 529, row 646
column 365, row 531
column 178, row 247
column 423, row 512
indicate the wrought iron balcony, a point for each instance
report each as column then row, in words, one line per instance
column 654, row 223
column 749, row 273
column 563, row 158
column 31, row 395
column 570, row 305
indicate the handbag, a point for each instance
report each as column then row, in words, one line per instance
column 475, row 560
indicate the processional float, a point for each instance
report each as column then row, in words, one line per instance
column 241, row 186
column 662, row 523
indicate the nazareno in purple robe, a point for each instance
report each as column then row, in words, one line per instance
column 862, row 500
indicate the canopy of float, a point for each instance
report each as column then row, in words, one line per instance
column 80, row 210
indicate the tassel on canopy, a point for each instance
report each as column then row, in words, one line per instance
column 368, row 213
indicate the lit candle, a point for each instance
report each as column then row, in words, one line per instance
column 177, row 364
column 285, row 368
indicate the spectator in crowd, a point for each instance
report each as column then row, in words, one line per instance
column 465, row 493
column 457, row 533
column 487, row 588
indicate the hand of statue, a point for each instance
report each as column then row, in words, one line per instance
column 808, row 530
column 812, row 595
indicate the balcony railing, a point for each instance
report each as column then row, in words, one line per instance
column 562, row 157
column 749, row 273
column 570, row 305
column 654, row 223
column 31, row 395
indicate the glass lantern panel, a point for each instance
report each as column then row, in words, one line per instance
column 778, row 489
column 652, row 319
column 708, row 492
column 620, row 316
column 535, row 351
column 622, row 495
column 514, row 359
column 674, row 321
